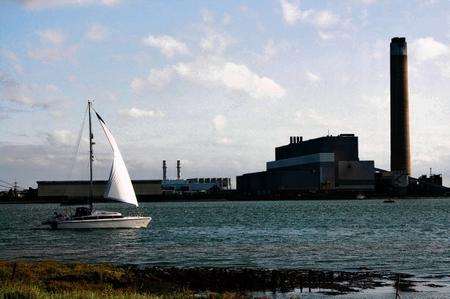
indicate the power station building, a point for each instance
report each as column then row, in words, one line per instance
column 325, row 163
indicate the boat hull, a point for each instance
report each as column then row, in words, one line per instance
column 124, row 222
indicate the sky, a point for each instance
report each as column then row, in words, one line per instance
column 216, row 84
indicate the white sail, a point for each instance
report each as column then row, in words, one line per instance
column 119, row 185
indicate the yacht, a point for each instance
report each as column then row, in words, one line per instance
column 119, row 188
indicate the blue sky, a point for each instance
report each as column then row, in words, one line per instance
column 217, row 84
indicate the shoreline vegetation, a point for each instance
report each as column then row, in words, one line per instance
column 51, row 279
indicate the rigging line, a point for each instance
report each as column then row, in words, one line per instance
column 6, row 183
column 9, row 187
column 78, row 143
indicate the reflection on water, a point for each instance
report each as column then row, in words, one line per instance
column 409, row 235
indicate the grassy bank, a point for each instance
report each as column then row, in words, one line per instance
column 51, row 279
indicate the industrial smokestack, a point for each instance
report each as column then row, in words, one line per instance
column 178, row 169
column 164, row 170
column 400, row 146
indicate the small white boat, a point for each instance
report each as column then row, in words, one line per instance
column 119, row 188
column 85, row 218
column 360, row 196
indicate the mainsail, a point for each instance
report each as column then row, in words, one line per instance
column 119, row 185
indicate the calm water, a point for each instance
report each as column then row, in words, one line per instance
column 409, row 235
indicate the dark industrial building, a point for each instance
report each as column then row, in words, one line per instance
column 74, row 190
column 325, row 163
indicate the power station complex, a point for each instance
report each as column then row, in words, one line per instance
column 332, row 162
column 328, row 164
column 325, row 163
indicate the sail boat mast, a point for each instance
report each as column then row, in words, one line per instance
column 91, row 159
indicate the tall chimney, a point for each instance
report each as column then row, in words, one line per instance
column 164, row 170
column 400, row 147
column 178, row 169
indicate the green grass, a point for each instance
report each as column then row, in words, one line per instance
column 49, row 279
column 24, row 291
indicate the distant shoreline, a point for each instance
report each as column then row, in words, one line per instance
column 234, row 200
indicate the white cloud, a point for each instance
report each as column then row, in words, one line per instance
column 366, row 1
column 61, row 138
column 138, row 84
column 215, row 42
column 325, row 35
column 270, row 50
column 97, row 33
column 53, row 54
column 53, row 48
column 54, row 36
column 312, row 77
column 427, row 2
column 22, row 94
column 140, row 113
column 243, row 8
column 444, row 67
column 223, row 140
column 234, row 76
column 226, row 19
column 28, row 95
column 51, row 88
column 219, row 122
column 292, row 13
column 17, row 93
column 324, row 19
column 166, row 44
column 157, row 80
column 273, row 49
column 428, row 48
column 13, row 60
column 320, row 120
column 43, row 4
column 10, row 55
column 110, row 2
column 207, row 15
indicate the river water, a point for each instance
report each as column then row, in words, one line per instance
column 410, row 236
